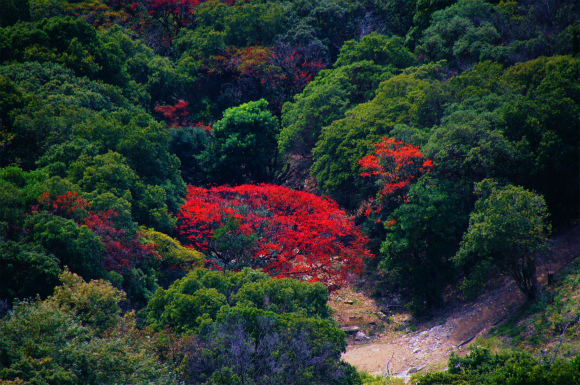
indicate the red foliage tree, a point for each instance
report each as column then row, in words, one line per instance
column 284, row 232
column 256, row 72
column 394, row 166
column 175, row 115
column 69, row 205
column 124, row 249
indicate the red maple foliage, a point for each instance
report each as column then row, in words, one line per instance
column 68, row 205
column 176, row 115
column 159, row 21
column 124, row 249
column 206, row 127
column 395, row 165
column 286, row 233
column 255, row 72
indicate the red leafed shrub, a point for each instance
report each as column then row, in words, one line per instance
column 68, row 205
column 396, row 165
column 124, row 250
column 284, row 232
column 176, row 115
column 297, row 67
column 206, row 127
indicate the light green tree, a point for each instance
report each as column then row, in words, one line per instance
column 244, row 145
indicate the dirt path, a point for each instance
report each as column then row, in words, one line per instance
column 402, row 353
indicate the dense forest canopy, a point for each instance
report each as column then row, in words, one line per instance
column 284, row 146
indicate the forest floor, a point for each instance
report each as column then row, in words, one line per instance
column 396, row 344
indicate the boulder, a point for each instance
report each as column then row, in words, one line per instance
column 360, row 336
column 350, row 329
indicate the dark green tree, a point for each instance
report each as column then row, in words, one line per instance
column 195, row 300
column 13, row 11
column 380, row 49
column 397, row 15
column 75, row 246
column 188, row 143
column 26, row 270
column 543, row 123
column 422, row 237
column 481, row 366
column 508, row 228
column 249, row 345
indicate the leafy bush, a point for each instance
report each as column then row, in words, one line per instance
column 61, row 340
column 483, row 367
column 198, row 298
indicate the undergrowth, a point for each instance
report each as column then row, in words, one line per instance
column 550, row 325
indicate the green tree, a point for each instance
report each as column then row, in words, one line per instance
column 95, row 303
column 13, row 11
column 95, row 118
column 26, row 270
column 195, row 300
column 75, row 246
column 481, row 366
column 397, row 15
column 462, row 32
column 175, row 260
column 327, row 22
column 359, row 69
column 469, row 31
column 323, row 101
column 187, row 143
column 543, row 123
column 244, row 145
column 249, row 345
column 422, row 237
column 109, row 173
column 10, row 99
column 508, row 228
column 380, row 49
column 469, row 153
column 60, row 341
column 71, row 42
column 253, row 23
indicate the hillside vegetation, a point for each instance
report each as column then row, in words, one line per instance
column 183, row 183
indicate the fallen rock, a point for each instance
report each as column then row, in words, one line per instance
column 415, row 369
column 382, row 316
column 360, row 336
column 348, row 301
column 350, row 329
